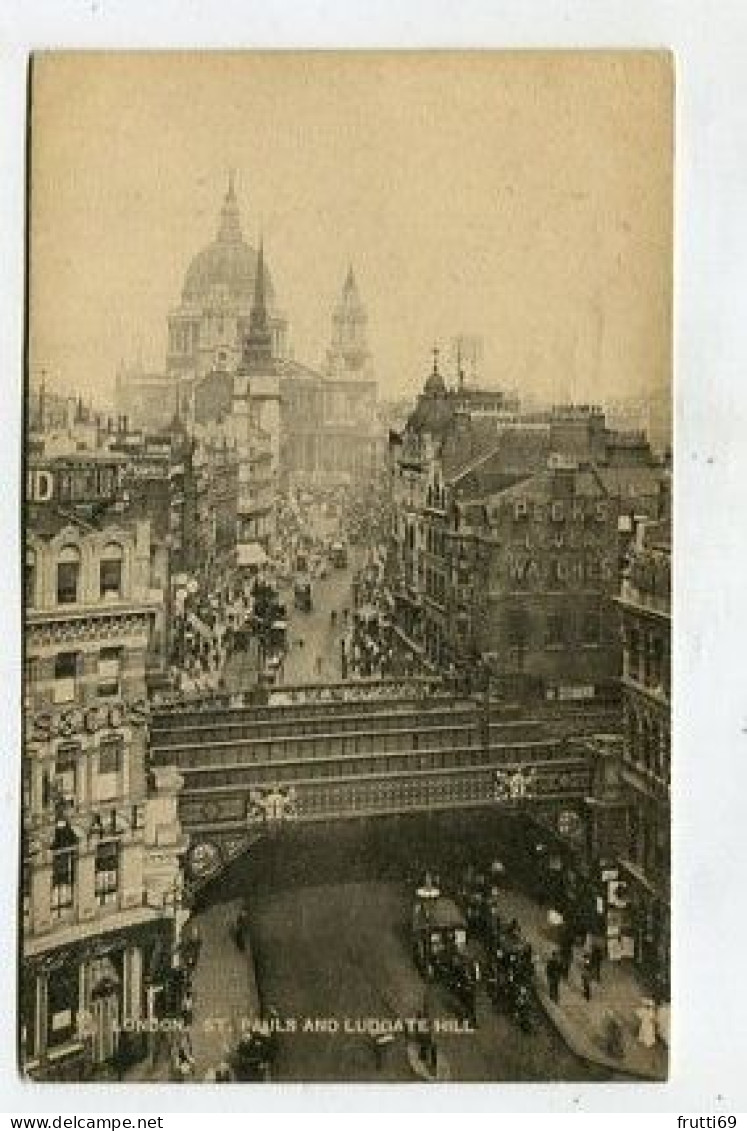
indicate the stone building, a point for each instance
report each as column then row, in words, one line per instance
column 228, row 351
column 208, row 327
column 212, row 320
column 466, row 460
column 645, row 607
column 529, row 573
column 101, row 839
column 330, row 428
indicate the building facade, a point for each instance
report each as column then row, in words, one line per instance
column 509, row 530
column 101, row 838
column 645, row 607
column 530, row 574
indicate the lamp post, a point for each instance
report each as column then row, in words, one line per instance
column 173, row 900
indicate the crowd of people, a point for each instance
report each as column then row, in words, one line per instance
column 213, row 613
column 207, row 617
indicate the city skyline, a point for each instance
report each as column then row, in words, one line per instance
column 555, row 247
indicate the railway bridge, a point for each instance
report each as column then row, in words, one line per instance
column 360, row 751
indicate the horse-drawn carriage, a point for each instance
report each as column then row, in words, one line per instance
column 440, row 945
column 480, row 895
column 508, row 968
column 509, row 974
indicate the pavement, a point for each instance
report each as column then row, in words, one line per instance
column 224, row 988
column 581, row 1023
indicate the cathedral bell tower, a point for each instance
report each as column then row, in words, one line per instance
column 349, row 355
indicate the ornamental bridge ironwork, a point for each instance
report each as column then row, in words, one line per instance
column 345, row 751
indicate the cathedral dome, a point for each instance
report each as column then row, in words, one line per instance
column 233, row 266
column 227, row 262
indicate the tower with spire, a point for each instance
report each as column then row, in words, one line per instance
column 257, row 352
column 256, row 421
column 349, row 355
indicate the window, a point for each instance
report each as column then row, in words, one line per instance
column 106, row 875
column 29, row 579
column 109, row 782
column 30, row 678
column 63, row 989
column 65, row 773
column 26, row 795
column 109, row 671
column 110, row 756
column 592, row 627
column 63, row 871
column 25, row 875
column 554, row 631
column 68, row 576
column 110, row 572
column 65, row 673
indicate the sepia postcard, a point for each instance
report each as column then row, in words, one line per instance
column 347, row 568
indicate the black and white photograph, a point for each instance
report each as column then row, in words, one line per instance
column 347, row 568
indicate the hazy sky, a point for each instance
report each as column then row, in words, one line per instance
column 523, row 198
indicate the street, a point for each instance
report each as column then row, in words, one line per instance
column 330, row 912
column 313, row 652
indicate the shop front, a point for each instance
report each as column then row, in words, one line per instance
column 82, row 1005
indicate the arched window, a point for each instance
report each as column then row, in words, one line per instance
column 68, row 576
column 110, row 572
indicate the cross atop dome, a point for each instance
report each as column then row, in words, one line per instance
column 230, row 220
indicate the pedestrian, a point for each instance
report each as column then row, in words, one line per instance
column 183, row 1064
column 188, row 1008
column 552, row 969
column 586, row 977
column 223, row 1073
column 381, row 1043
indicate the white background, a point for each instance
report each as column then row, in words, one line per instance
column 709, row 1073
